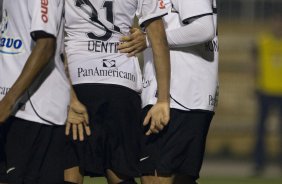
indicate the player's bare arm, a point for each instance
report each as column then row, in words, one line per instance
column 36, row 62
column 159, row 116
column 199, row 30
column 133, row 44
column 78, row 120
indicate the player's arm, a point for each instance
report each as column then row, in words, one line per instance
column 78, row 119
column 195, row 31
column 40, row 56
column 158, row 116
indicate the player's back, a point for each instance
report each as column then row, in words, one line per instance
column 93, row 29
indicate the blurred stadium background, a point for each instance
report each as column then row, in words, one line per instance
column 232, row 134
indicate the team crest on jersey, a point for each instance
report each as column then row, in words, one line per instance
column 9, row 45
column 164, row 3
column 161, row 4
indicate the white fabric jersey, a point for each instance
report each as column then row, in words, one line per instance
column 21, row 18
column 194, row 69
column 93, row 30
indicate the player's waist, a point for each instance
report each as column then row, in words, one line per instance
column 79, row 57
column 104, row 68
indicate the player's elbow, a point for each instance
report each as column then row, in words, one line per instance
column 210, row 32
column 46, row 47
column 208, row 28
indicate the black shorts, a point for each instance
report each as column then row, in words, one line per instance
column 179, row 148
column 33, row 152
column 3, row 177
column 114, row 115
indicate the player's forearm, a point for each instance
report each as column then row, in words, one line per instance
column 38, row 59
column 73, row 94
column 157, row 37
column 199, row 31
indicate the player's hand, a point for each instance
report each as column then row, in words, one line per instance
column 158, row 117
column 133, row 43
column 6, row 109
column 78, row 121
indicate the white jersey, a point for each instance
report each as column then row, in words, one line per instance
column 194, row 69
column 93, row 30
column 46, row 102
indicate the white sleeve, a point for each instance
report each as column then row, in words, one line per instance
column 192, row 8
column 149, row 9
column 199, row 31
column 44, row 15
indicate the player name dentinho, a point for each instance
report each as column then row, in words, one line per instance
column 87, row 72
column 103, row 47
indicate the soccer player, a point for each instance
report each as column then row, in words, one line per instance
column 108, row 83
column 34, row 91
column 268, row 64
column 175, row 154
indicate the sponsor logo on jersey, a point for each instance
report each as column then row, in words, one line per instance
column 146, row 83
column 161, row 4
column 44, row 10
column 109, row 63
column 213, row 100
column 102, row 46
column 9, row 45
column 109, row 69
column 4, row 90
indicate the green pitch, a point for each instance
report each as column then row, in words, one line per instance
column 214, row 180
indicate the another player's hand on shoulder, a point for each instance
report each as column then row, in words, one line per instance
column 78, row 121
column 158, row 117
column 133, row 43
